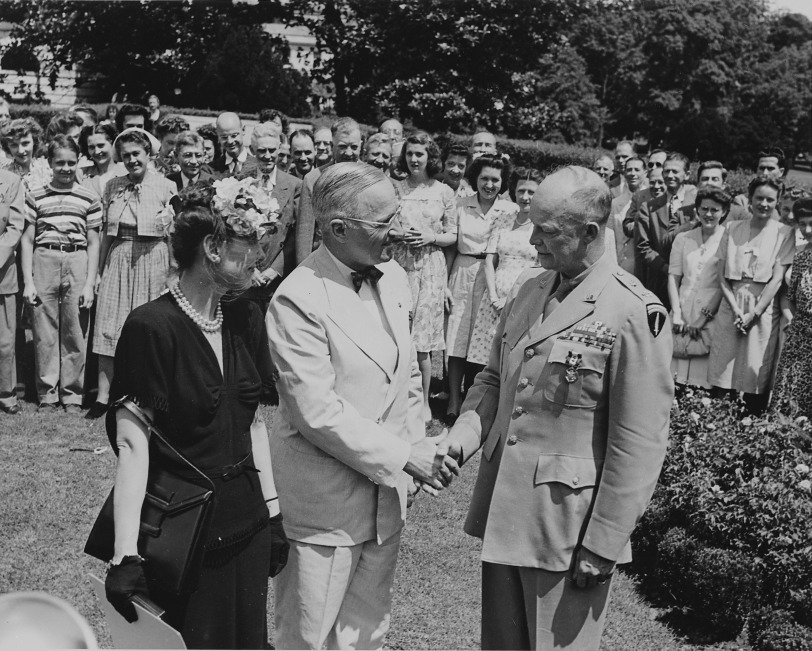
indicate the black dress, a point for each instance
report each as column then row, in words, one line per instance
column 163, row 361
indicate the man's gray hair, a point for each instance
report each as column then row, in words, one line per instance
column 335, row 194
column 266, row 130
column 592, row 201
column 343, row 126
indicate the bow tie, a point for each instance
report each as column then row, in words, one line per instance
column 372, row 274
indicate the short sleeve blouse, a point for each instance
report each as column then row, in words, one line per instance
column 474, row 227
column 164, row 361
column 755, row 259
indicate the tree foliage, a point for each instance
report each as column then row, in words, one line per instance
column 152, row 47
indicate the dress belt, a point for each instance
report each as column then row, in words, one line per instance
column 65, row 248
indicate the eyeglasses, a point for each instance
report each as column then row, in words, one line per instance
column 388, row 223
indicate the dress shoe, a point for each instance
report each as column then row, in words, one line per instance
column 98, row 410
column 48, row 406
column 11, row 409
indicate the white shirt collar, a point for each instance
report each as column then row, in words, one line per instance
column 272, row 175
column 241, row 158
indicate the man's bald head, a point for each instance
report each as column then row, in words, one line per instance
column 229, row 132
column 569, row 213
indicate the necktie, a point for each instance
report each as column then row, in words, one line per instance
column 266, row 179
column 235, row 166
column 372, row 274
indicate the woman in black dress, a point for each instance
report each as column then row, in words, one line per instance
column 198, row 365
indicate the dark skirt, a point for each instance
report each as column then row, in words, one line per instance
column 229, row 609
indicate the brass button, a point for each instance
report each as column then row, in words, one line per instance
column 518, row 411
column 512, row 439
column 575, row 480
column 523, row 383
column 529, row 353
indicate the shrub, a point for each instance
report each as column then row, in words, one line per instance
column 719, row 586
column 741, row 487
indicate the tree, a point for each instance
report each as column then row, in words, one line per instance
column 134, row 47
column 444, row 64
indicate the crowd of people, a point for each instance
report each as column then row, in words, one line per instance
column 121, row 234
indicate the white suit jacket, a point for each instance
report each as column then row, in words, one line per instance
column 345, row 423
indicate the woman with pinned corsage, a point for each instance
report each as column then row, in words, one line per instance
column 134, row 258
column 196, row 363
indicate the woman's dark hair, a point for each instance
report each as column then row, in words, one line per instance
column 61, row 141
column 61, row 123
column 498, row 162
column 457, row 150
column 134, row 137
column 110, row 108
column 170, row 124
column 713, row 193
column 762, row 180
column 209, row 132
column 523, row 174
column 106, row 130
column 434, row 164
column 20, row 128
column 133, row 109
column 194, row 221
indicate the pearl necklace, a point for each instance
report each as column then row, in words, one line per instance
column 204, row 324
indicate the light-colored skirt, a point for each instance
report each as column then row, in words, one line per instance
column 744, row 362
column 135, row 273
column 426, row 270
column 467, row 285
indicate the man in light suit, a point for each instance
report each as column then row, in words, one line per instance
column 12, row 222
column 349, row 431
column 346, row 149
column 286, row 189
column 572, row 414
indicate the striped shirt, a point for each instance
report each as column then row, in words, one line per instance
column 62, row 216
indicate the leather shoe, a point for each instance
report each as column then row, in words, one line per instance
column 48, row 406
column 98, row 410
column 11, row 409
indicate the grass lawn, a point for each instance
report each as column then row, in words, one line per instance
column 50, row 496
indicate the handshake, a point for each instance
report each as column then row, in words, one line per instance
column 434, row 462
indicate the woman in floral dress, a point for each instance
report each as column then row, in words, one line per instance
column 507, row 255
column 428, row 217
column 792, row 394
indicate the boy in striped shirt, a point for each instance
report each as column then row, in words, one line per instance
column 60, row 257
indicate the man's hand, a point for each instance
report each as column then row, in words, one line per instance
column 427, row 463
column 448, row 300
column 591, row 569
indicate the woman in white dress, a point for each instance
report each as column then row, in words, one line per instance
column 476, row 215
column 507, row 255
column 753, row 257
column 694, row 289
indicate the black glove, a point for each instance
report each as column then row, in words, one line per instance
column 125, row 581
column 279, row 546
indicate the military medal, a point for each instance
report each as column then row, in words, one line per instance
column 573, row 361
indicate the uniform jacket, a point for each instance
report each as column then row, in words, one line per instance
column 569, row 462
column 281, row 254
column 345, row 423
column 12, row 223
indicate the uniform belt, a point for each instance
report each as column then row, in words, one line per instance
column 65, row 248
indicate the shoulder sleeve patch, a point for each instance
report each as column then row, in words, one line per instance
column 657, row 317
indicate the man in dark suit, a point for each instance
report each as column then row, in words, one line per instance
column 286, row 189
column 346, row 149
column 189, row 154
column 617, row 182
column 303, row 152
column 235, row 155
column 653, row 232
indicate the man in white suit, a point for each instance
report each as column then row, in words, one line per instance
column 349, row 430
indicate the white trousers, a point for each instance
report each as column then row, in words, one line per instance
column 340, row 597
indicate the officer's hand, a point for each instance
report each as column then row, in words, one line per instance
column 591, row 569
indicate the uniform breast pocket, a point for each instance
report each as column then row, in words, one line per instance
column 575, row 374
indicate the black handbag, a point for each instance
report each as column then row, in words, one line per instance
column 175, row 519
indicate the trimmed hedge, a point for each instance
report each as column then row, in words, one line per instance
column 730, row 523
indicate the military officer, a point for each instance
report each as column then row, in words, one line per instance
column 572, row 416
